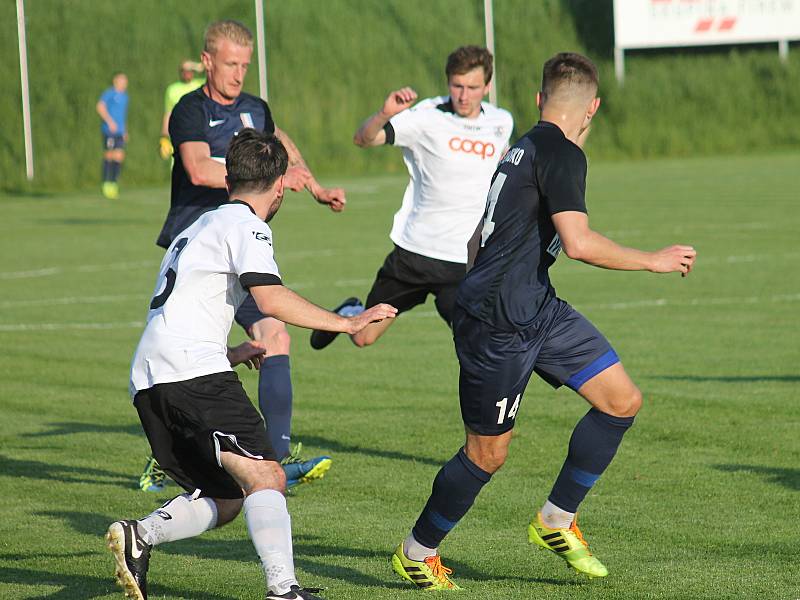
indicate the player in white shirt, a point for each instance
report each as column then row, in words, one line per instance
column 202, row 428
column 451, row 147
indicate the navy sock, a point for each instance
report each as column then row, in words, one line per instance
column 454, row 490
column 116, row 167
column 593, row 444
column 107, row 170
column 275, row 401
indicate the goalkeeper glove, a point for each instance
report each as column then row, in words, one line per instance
column 165, row 147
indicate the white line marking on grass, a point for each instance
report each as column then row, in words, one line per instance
column 662, row 302
column 63, row 326
column 71, row 300
column 432, row 313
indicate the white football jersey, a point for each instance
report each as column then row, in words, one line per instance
column 451, row 161
column 202, row 281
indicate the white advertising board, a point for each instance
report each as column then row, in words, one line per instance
column 665, row 23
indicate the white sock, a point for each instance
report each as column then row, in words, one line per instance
column 416, row 551
column 270, row 529
column 555, row 517
column 180, row 518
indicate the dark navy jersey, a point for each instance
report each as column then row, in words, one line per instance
column 197, row 118
column 542, row 174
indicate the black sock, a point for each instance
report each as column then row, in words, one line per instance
column 106, row 170
column 116, row 167
column 275, row 401
column 454, row 490
column 593, row 444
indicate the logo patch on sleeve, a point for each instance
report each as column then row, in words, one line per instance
column 262, row 237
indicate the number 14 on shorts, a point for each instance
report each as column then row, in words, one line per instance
column 503, row 404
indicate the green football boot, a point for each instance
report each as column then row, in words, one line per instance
column 568, row 544
column 429, row 574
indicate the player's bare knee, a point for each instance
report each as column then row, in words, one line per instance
column 627, row 403
column 488, row 457
column 362, row 340
column 227, row 509
column 267, row 475
column 279, row 342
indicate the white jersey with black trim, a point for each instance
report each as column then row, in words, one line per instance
column 202, row 281
column 450, row 160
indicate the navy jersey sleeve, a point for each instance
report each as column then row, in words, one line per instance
column 269, row 124
column 562, row 180
column 188, row 121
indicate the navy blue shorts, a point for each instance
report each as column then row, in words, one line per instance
column 114, row 142
column 248, row 314
column 562, row 347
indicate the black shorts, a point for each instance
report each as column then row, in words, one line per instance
column 248, row 314
column 406, row 279
column 189, row 422
column 113, row 141
column 562, row 347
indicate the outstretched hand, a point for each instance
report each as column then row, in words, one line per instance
column 398, row 100
column 249, row 353
column 674, row 258
column 379, row 312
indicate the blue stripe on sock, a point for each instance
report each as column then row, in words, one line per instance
column 600, row 364
column 440, row 522
column 582, row 477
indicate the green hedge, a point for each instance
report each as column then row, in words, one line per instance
column 332, row 61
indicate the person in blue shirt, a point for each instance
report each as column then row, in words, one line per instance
column 113, row 110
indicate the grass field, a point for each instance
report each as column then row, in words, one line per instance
column 703, row 500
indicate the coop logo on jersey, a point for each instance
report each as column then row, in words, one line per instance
column 262, row 237
column 482, row 149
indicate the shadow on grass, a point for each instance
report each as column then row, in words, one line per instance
column 337, row 446
column 88, row 586
column 68, row 428
column 789, row 478
column 728, row 378
column 308, row 552
column 34, row 469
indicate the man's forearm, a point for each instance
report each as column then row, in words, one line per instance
column 370, row 129
column 295, row 158
column 597, row 250
column 287, row 306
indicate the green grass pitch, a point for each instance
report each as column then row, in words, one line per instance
column 702, row 501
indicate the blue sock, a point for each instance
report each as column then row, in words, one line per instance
column 116, row 167
column 454, row 490
column 107, row 170
column 593, row 444
column 275, row 401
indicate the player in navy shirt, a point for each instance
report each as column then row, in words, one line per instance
column 113, row 110
column 509, row 322
column 201, row 126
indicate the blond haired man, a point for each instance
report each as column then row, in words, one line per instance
column 201, row 127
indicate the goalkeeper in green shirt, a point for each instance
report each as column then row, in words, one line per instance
column 175, row 91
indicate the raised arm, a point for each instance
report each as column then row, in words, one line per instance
column 580, row 242
column 371, row 132
column 200, row 167
column 299, row 177
column 285, row 305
